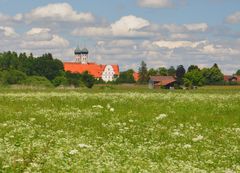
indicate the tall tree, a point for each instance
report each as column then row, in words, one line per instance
column 171, row 71
column 143, row 73
column 162, row 71
column 195, row 77
column 180, row 73
column 152, row 72
column 212, row 75
column 238, row 72
column 126, row 77
column 193, row 67
column 47, row 66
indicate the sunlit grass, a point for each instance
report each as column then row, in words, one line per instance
column 112, row 129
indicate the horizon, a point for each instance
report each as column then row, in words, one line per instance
column 162, row 33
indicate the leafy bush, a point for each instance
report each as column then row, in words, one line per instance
column 73, row 78
column 60, row 80
column 38, row 81
column 88, row 80
column 13, row 77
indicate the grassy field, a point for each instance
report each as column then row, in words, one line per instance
column 120, row 129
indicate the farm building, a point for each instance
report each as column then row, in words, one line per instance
column 99, row 71
column 233, row 78
column 161, row 81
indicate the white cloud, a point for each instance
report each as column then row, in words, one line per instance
column 179, row 36
column 202, row 27
column 155, row 3
column 8, row 31
column 129, row 26
column 177, row 44
column 234, row 18
column 219, row 50
column 56, row 42
column 92, row 31
column 35, row 31
column 39, row 34
column 59, row 12
column 191, row 27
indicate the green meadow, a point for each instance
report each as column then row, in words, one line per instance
column 120, row 129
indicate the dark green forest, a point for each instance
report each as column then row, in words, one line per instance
column 46, row 71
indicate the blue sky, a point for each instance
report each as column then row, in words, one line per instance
column 160, row 32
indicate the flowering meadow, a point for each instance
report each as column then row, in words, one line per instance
column 81, row 131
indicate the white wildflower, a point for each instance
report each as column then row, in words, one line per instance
column 32, row 119
column 19, row 160
column 198, row 138
column 130, row 121
column 84, row 146
column 111, row 109
column 229, row 171
column 72, row 152
column 161, row 116
column 97, row 106
column 108, row 106
column 176, row 133
column 35, row 165
column 187, row 146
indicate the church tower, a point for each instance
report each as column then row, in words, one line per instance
column 78, row 53
column 81, row 56
column 84, row 56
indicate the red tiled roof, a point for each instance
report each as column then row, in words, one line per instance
column 227, row 78
column 238, row 78
column 136, row 76
column 234, row 78
column 162, row 80
column 94, row 69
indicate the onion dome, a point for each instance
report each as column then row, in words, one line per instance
column 77, row 51
column 84, row 51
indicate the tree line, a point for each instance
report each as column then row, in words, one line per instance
column 36, row 71
column 192, row 76
column 47, row 71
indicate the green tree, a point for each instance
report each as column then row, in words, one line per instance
column 162, row 71
column 152, row 72
column 187, row 82
column 73, row 78
column 88, row 79
column 9, row 60
column 60, row 81
column 193, row 67
column 171, row 71
column 238, row 72
column 212, row 75
column 126, row 77
column 180, row 73
column 48, row 67
column 195, row 77
column 143, row 73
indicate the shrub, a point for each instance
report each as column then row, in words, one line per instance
column 60, row 80
column 38, row 81
column 88, row 80
column 13, row 77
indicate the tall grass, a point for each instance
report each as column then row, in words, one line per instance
column 118, row 130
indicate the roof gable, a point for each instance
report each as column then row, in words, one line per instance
column 162, row 80
column 94, row 69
